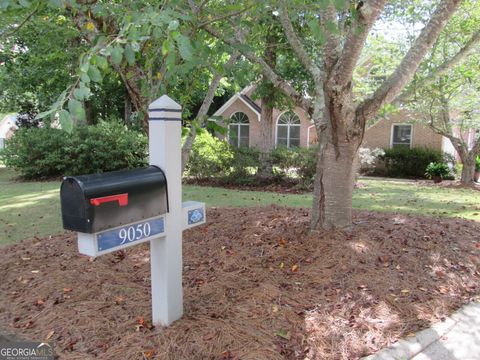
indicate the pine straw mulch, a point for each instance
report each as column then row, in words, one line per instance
column 257, row 286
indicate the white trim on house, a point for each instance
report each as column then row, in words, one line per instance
column 238, row 129
column 400, row 124
column 308, row 135
column 230, row 101
column 288, row 127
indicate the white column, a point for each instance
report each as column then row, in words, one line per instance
column 165, row 143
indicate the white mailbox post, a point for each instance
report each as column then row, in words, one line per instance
column 164, row 232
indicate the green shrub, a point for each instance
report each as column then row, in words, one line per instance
column 440, row 170
column 210, row 157
column 39, row 153
column 244, row 164
column 477, row 163
column 107, row 146
column 284, row 160
column 409, row 163
column 302, row 161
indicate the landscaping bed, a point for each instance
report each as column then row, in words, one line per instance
column 257, row 285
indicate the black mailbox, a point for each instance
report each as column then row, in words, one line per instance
column 92, row 203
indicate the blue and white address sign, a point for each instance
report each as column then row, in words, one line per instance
column 129, row 234
column 104, row 242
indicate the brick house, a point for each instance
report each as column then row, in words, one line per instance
column 294, row 128
column 290, row 128
column 400, row 130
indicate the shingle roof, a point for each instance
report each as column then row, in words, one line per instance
column 252, row 103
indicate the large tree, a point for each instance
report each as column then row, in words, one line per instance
column 339, row 31
column 451, row 107
column 445, row 92
column 150, row 46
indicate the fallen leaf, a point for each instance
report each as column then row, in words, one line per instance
column 119, row 300
column 50, row 334
column 274, row 308
column 209, row 336
column 66, row 289
column 283, row 334
column 283, row 242
column 39, row 302
column 282, row 265
column 227, row 355
column 294, row 267
column 148, row 354
column 29, row 324
column 443, row 290
column 35, row 271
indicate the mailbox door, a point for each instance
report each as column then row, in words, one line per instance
column 143, row 203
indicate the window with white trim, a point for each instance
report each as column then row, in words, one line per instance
column 401, row 135
column 238, row 130
column 288, row 130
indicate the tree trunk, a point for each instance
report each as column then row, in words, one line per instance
column 272, row 39
column 89, row 113
column 266, row 145
column 128, row 108
column 333, row 187
column 468, row 171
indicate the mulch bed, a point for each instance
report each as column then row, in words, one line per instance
column 257, row 285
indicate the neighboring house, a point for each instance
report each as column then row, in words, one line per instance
column 8, row 125
column 294, row 128
column 400, row 130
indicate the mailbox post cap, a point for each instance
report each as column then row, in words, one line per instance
column 164, row 102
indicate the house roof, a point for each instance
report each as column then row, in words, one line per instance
column 245, row 99
column 252, row 103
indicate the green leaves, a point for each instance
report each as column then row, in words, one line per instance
column 129, row 54
column 82, row 92
column 76, row 110
column 317, row 31
column 117, row 54
column 94, row 74
column 184, row 46
column 65, row 120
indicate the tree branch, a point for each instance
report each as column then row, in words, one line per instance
column 297, row 45
column 202, row 112
column 409, row 64
column 444, row 67
column 267, row 70
column 225, row 16
column 5, row 34
column 332, row 44
column 355, row 40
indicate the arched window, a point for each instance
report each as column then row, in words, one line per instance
column 238, row 130
column 288, row 129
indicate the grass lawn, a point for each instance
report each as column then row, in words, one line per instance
column 32, row 208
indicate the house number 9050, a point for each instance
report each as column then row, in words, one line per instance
column 135, row 232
